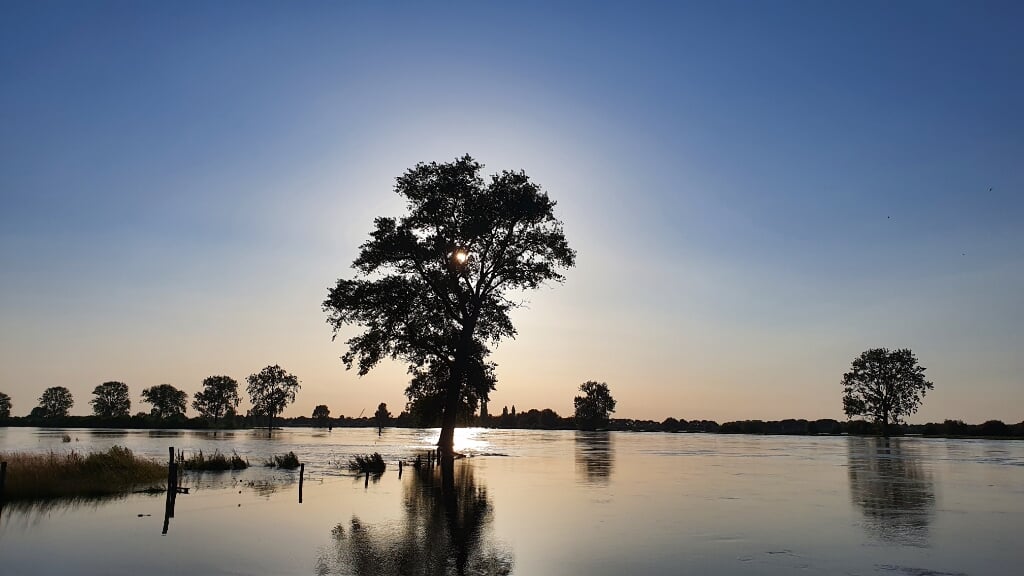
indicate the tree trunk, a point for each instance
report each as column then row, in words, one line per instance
column 270, row 423
column 446, row 442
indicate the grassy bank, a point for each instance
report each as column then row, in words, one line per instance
column 74, row 474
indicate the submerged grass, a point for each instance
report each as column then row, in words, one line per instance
column 372, row 463
column 75, row 474
column 288, row 461
column 216, row 462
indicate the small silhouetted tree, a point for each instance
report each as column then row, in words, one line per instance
column 594, row 407
column 218, row 397
column 111, row 400
column 884, row 386
column 321, row 413
column 434, row 285
column 55, row 402
column 383, row 416
column 167, row 401
column 270, row 391
column 5, row 405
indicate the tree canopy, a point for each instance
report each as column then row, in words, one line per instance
column 594, row 407
column 433, row 286
column 167, row 401
column 218, row 397
column 111, row 400
column 884, row 386
column 55, row 402
column 321, row 412
column 5, row 405
column 270, row 391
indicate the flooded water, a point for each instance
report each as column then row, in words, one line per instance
column 541, row 502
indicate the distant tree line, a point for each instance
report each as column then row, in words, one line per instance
column 270, row 391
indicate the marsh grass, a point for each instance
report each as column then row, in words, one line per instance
column 287, row 461
column 216, row 462
column 55, row 474
column 372, row 463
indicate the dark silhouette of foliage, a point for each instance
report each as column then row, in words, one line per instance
column 218, row 397
column 270, row 391
column 321, row 413
column 885, row 386
column 5, row 405
column 594, row 407
column 111, row 400
column 287, row 461
column 216, row 462
column 167, row 401
column 55, row 402
column 382, row 416
column 369, row 463
column 427, row 392
column 433, row 285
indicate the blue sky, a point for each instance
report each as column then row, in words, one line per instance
column 757, row 191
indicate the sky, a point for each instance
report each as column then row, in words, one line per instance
column 757, row 192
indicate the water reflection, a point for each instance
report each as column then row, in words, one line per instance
column 595, row 457
column 446, row 529
column 892, row 488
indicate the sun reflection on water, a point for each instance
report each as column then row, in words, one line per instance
column 467, row 441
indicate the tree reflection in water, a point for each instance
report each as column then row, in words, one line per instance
column 445, row 530
column 595, row 456
column 892, row 489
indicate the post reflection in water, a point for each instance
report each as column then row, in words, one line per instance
column 595, row 457
column 446, row 529
column 892, row 489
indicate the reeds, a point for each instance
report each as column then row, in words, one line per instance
column 73, row 474
column 287, row 461
column 370, row 463
column 216, row 462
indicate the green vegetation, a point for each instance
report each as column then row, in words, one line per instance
column 370, row 463
column 217, row 462
column 73, row 474
column 287, row 461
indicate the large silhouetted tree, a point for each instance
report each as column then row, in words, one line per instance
column 885, row 386
column 433, row 285
column 55, row 402
column 270, row 391
column 218, row 397
column 167, row 401
column 382, row 416
column 321, row 413
column 5, row 405
column 594, row 407
column 111, row 400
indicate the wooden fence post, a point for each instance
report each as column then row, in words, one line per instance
column 302, row 472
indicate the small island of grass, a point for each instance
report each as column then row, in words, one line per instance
column 54, row 474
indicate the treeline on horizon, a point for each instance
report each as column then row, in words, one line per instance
column 534, row 419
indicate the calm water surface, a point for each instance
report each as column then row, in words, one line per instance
column 536, row 502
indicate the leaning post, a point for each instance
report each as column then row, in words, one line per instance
column 302, row 472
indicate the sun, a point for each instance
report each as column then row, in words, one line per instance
column 461, row 256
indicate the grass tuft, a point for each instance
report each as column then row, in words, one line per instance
column 372, row 463
column 216, row 462
column 55, row 474
column 287, row 461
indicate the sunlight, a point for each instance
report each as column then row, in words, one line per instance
column 461, row 256
column 467, row 440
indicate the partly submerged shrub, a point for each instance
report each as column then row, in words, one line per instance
column 216, row 462
column 370, row 463
column 72, row 474
column 287, row 461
